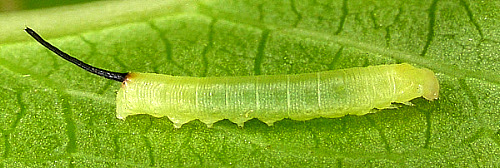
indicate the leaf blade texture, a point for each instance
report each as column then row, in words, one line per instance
column 56, row 114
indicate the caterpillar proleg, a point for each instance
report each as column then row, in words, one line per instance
column 270, row 98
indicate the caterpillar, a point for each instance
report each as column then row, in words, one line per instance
column 270, row 98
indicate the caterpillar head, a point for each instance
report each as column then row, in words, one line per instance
column 419, row 81
column 430, row 85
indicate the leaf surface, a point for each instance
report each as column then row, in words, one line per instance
column 54, row 113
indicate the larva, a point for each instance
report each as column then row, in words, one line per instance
column 270, row 98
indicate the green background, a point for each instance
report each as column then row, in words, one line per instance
column 16, row 5
column 53, row 113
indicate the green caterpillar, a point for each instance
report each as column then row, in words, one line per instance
column 270, row 98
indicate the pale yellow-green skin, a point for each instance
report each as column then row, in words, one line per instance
column 355, row 91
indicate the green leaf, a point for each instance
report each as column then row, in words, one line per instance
column 54, row 113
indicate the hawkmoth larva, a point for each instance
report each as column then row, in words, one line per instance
column 269, row 98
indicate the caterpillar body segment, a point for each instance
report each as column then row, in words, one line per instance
column 354, row 91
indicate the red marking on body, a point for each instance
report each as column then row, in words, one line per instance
column 129, row 78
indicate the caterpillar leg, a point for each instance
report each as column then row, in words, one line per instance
column 408, row 103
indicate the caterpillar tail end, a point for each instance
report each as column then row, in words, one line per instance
column 121, row 111
column 431, row 86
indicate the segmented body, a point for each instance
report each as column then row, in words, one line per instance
column 270, row 98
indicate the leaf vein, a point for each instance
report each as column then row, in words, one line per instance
column 70, row 127
column 432, row 22
column 296, row 12
column 343, row 17
column 208, row 47
column 168, row 49
column 261, row 52
column 471, row 18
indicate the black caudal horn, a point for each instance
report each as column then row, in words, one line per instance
column 120, row 77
